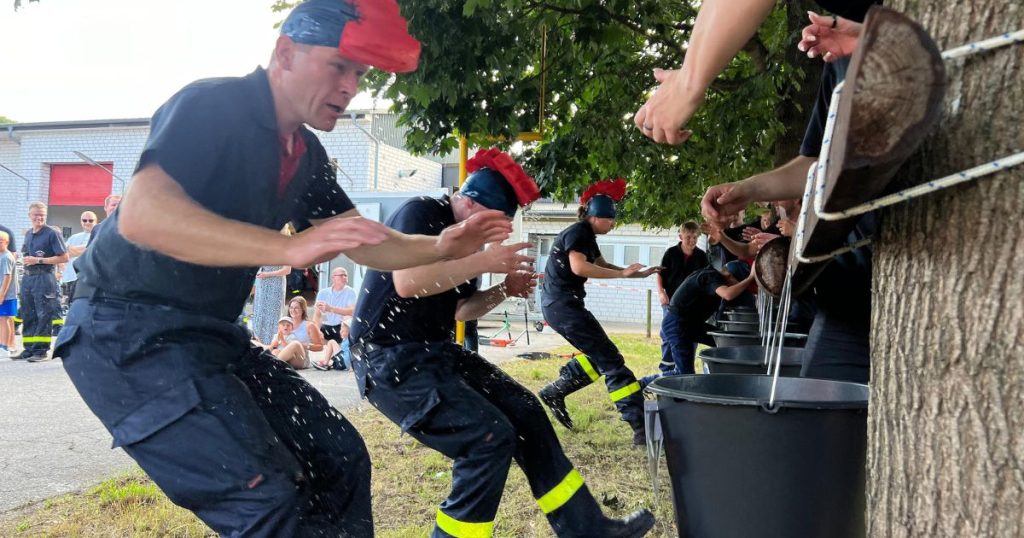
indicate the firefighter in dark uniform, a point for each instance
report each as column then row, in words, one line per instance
column 151, row 341
column 574, row 258
column 41, row 251
column 452, row 399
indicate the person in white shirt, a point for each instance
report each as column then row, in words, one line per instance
column 76, row 246
column 333, row 305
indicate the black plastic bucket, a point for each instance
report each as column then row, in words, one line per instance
column 741, row 315
column 750, row 360
column 746, row 326
column 732, row 339
column 740, row 470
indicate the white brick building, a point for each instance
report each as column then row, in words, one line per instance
column 36, row 155
column 367, row 146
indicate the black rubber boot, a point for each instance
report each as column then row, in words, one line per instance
column 639, row 433
column 582, row 517
column 571, row 379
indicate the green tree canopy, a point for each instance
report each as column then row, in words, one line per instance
column 5, row 119
column 486, row 65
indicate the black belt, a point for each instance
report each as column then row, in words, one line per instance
column 33, row 270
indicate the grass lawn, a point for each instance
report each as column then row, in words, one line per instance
column 409, row 479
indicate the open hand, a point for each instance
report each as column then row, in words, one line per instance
column 332, row 236
column 466, row 237
column 520, row 283
column 821, row 38
column 506, row 258
column 723, row 202
column 665, row 113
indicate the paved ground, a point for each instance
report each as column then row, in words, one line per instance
column 50, row 443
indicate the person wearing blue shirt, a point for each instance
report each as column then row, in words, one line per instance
column 42, row 249
column 151, row 341
column 452, row 399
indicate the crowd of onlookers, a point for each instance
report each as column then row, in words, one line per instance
column 38, row 280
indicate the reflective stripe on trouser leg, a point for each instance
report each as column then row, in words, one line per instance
column 625, row 392
column 37, row 340
column 57, row 322
column 463, row 529
column 588, row 368
column 560, row 494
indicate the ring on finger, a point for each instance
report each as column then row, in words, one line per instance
column 648, row 127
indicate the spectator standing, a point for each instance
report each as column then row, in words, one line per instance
column 42, row 250
column 76, row 246
column 268, row 300
column 8, row 296
column 334, row 304
column 13, row 249
column 677, row 263
column 110, row 203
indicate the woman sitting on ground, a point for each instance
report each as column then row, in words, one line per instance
column 306, row 332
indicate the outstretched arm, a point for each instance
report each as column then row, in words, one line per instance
column 720, row 31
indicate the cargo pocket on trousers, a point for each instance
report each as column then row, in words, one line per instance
column 156, row 414
column 421, row 410
column 65, row 337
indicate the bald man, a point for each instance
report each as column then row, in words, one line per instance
column 76, row 246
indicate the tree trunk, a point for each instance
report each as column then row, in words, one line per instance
column 946, row 427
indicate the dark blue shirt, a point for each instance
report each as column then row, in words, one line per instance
column 559, row 280
column 696, row 299
column 43, row 244
column 218, row 139
column 678, row 266
column 381, row 316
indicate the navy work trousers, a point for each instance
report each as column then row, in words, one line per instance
column 454, row 401
column 223, row 428
column 572, row 321
column 40, row 311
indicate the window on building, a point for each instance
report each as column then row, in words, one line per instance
column 544, row 246
column 607, row 252
column 630, row 254
column 656, row 255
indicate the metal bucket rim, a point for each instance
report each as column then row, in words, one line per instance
column 676, row 394
column 786, row 361
column 797, row 336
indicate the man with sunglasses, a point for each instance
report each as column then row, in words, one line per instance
column 76, row 246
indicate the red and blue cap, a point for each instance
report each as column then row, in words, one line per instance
column 601, row 197
column 372, row 32
column 496, row 181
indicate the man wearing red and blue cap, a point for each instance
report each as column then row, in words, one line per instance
column 453, row 400
column 151, row 341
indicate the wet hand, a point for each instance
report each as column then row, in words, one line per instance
column 723, row 202
column 665, row 113
column 334, row 235
column 506, row 258
column 830, row 38
column 468, row 236
column 520, row 283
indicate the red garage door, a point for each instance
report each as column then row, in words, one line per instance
column 79, row 184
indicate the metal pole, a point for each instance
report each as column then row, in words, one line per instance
column 28, row 183
column 86, row 158
column 460, row 326
column 649, row 306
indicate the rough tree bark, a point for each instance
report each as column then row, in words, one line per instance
column 946, row 427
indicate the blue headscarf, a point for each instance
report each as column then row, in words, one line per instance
column 491, row 190
column 738, row 269
column 319, row 22
column 601, row 206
